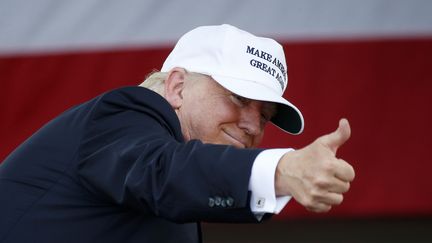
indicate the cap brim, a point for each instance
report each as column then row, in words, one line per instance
column 288, row 117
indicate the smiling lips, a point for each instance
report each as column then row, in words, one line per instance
column 238, row 142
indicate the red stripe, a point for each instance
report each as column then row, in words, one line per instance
column 382, row 87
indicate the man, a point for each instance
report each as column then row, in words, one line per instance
column 135, row 165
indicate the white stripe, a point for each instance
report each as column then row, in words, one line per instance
column 81, row 24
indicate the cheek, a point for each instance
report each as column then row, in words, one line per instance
column 214, row 120
column 210, row 119
column 225, row 114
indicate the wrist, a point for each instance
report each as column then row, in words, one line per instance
column 281, row 175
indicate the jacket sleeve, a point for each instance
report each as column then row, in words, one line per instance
column 131, row 157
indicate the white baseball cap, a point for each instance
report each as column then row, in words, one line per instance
column 247, row 65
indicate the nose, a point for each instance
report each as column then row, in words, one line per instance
column 250, row 120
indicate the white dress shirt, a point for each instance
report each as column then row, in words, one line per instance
column 261, row 183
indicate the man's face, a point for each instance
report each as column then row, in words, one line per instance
column 213, row 114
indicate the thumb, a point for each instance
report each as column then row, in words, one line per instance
column 335, row 139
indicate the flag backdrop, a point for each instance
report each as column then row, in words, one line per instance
column 369, row 61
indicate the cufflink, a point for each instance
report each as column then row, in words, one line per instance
column 260, row 202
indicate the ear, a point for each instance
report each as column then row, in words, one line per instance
column 174, row 85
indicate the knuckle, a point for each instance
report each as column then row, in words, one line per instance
column 339, row 199
column 352, row 172
column 327, row 208
column 315, row 195
column 321, row 182
column 349, row 168
column 312, row 209
column 308, row 202
column 322, row 208
column 347, row 187
column 329, row 166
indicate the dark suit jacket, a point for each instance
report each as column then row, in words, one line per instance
column 116, row 169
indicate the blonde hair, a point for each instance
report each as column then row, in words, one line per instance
column 155, row 81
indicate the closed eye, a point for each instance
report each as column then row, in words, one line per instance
column 268, row 111
column 265, row 118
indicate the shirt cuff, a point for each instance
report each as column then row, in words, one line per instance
column 261, row 183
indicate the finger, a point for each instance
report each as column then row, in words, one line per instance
column 339, row 186
column 335, row 139
column 344, row 171
column 319, row 208
column 332, row 198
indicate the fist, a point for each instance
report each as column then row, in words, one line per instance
column 313, row 175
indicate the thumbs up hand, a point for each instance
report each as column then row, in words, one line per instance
column 313, row 175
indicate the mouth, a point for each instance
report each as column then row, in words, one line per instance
column 235, row 141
